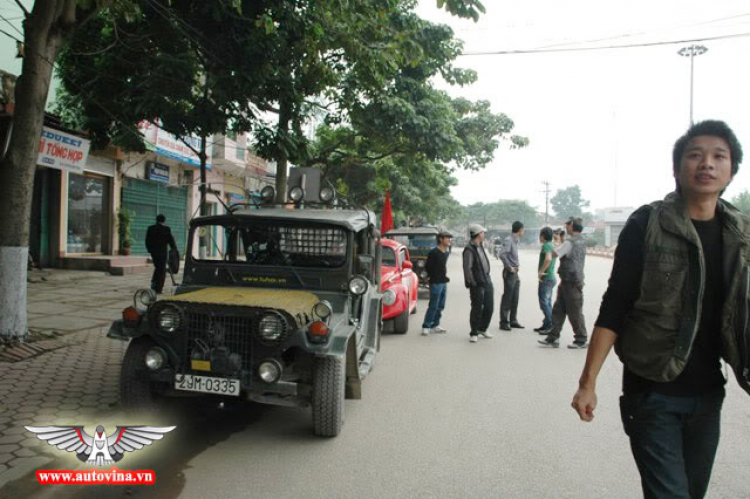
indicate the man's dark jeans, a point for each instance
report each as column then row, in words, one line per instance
column 674, row 441
column 545, row 301
column 482, row 302
column 569, row 302
column 435, row 308
column 160, row 271
column 509, row 302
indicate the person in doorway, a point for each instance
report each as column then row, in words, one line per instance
column 158, row 239
column 511, row 281
column 437, row 270
column 569, row 302
column 547, row 281
column 677, row 302
column 477, row 279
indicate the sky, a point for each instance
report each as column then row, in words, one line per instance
column 605, row 120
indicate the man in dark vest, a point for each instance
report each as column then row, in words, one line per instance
column 677, row 303
column 477, row 279
column 158, row 237
column 569, row 301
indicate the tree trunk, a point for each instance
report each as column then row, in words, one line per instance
column 282, row 159
column 44, row 36
column 203, row 240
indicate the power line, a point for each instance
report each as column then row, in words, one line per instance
column 608, row 47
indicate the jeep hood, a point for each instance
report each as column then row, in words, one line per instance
column 296, row 303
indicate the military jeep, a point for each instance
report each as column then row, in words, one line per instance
column 278, row 304
column 419, row 240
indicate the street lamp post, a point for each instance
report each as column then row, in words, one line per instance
column 692, row 51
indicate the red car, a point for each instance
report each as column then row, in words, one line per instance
column 400, row 285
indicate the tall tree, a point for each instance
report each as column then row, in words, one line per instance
column 46, row 28
column 742, row 202
column 569, row 202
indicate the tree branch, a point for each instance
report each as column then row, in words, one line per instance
column 20, row 5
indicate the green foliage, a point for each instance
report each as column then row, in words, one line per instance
column 124, row 220
column 502, row 212
column 569, row 202
column 742, row 202
column 463, row 8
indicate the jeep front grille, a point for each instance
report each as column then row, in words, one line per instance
column 209, row 331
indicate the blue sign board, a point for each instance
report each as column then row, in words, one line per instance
column 158, row 172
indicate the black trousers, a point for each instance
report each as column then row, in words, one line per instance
column 509, row 302
column 482, row 303
column 160, row 271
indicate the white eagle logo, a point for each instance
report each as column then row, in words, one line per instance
column 100, row 449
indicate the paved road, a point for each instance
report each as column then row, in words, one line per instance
column 440, row 417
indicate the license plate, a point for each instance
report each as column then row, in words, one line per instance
column 207, row 384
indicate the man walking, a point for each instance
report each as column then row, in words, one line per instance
column 547, row 281
column 436, row 268
column 572, row 255
column 511, row 281
column 677, row 302
column 477, row 279
column 158, row 237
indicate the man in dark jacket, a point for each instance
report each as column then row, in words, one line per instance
column 477, row 279
column 437, row 269
column 158, row 237
column 677, row 302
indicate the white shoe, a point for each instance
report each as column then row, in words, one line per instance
column 486, row 334
column 473, row 339
column 439, row 330
column 425, row 331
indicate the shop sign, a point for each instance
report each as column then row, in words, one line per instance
column 62, row 150
column 235, row 197
column 157, row 172
column 166, row 144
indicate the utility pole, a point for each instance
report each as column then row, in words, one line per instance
column 547, row 191
column 692, row 51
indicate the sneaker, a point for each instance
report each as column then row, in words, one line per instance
column 578, row 345
column 439, row 330
column 425, row 331
column 473, row 338
column 516, row 325
column 545, row 332
column 550, row 342
column 505, row 327
column 538, row 329
column 486, row 334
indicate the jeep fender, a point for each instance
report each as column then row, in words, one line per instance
column 118, row 331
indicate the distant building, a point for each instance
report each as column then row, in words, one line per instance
column 614, row 221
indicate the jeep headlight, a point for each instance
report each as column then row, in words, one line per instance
column 424, row 274
column 358, row 285
column 169, row 319
column 322, row 309
column 420, row 263
column 143, row 298
column 271, row 326
column 389, row 297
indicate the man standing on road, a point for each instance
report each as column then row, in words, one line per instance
column 572, row 255
column 477, row 279
column 511, row 281
column 677, row 302
column 158, row 237
column 437, row 269
column 547, row 281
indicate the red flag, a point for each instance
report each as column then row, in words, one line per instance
column 386, row 219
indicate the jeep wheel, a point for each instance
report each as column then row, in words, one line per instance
column 401, row 322
column 137, row 392
column 329, row 375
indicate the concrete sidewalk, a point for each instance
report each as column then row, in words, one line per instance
column 76, row 380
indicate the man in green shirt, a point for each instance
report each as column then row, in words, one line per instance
column 546, row 279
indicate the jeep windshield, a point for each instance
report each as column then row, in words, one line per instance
column 270, row 244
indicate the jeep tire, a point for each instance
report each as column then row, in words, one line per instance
column 329, row 376
column 137, row 393
column 401, row 322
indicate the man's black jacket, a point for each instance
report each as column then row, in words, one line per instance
column 158, row 237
